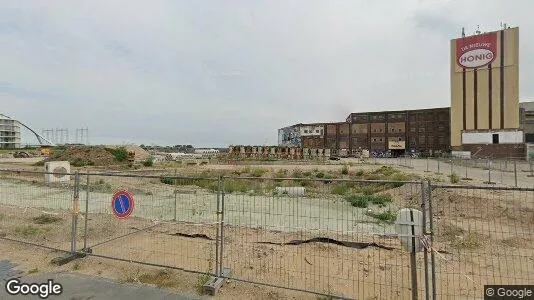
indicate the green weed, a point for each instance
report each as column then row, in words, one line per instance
column 387, row 216
column 363, row 201
column 340, row 189
column 149, row 162
column 120, row 154
column 46, row 219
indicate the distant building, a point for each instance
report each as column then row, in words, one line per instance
column 9, row 133
column 422, row 130
column 206, row 151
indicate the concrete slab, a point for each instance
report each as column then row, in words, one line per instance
column 82, row 287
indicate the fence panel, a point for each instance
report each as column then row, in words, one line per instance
column 173, row 223
column 36, row 212
column 337, row 238
column 482, row 235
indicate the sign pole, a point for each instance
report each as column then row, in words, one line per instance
column 413, row 261
column 75, row 203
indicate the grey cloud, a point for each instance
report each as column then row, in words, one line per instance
column 213, row 73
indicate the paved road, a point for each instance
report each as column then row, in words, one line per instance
column 81, row 287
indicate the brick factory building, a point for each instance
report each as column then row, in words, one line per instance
column 423, row 130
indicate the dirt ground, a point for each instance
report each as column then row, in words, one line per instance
column 473, row 247
column 481, row 237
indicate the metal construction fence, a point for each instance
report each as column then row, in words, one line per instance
column 332, row 237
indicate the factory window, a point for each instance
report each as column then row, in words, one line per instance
column 374, row 140
column 400, row 139
column 392, row 129
column 495, row 137
column 421, row 129
column 317, row 131
column 381, row 140
column 380, row 129
column 305, row 131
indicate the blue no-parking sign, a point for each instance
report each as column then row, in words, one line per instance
column 122, row 204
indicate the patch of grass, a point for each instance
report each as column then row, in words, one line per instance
column 120, row 154
column 33, row 271
column 380, row 200
column 167, row 180
column 340, row 189
column 359, row 173
column 39, row 163
column 297, row 174
column 471, row 240
column 28, row 230
column 258, row 172
column 242, row 186
column 369, row 189
column 76, row 266
column 363, row 201
column 320, row 175
column 2, row 216
column 358, row 201
column 46, row 219
column 202, row 279
column 81, row 162
column 387, row 216
column 454, row 178
column 149, row 162
column 345, row 170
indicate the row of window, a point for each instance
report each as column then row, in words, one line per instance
column 311, row 131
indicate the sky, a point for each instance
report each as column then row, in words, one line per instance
column 215, row 73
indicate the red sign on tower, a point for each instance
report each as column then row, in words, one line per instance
column 476, row 51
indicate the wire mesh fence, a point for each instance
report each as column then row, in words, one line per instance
column 34, row 212
column 174, row 224
column 482, row 236
column 316, row 234
column 333, row 237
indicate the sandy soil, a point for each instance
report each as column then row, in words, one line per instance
column 476, row 247
column 481, row 237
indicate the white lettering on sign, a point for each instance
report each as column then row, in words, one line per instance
column 476, row 58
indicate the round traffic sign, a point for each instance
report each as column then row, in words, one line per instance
column 122, row 204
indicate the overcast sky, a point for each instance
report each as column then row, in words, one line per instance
column 214, row 73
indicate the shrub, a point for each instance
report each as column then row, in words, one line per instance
column 258, row 172
column 454, row 178
column 319, row 175
column 357, row 201
column 149, row 162
column 345, row 170
column 387, row 216
column 359, row 173
column 340, row 189
column 362, row 200
column 120, row 154
column 45, row 219
column 167, row 180
column 81, row 162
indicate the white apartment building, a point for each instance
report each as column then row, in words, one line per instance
column 9, row 133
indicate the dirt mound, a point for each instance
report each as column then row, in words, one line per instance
column 140, row 153
column 80, row 156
